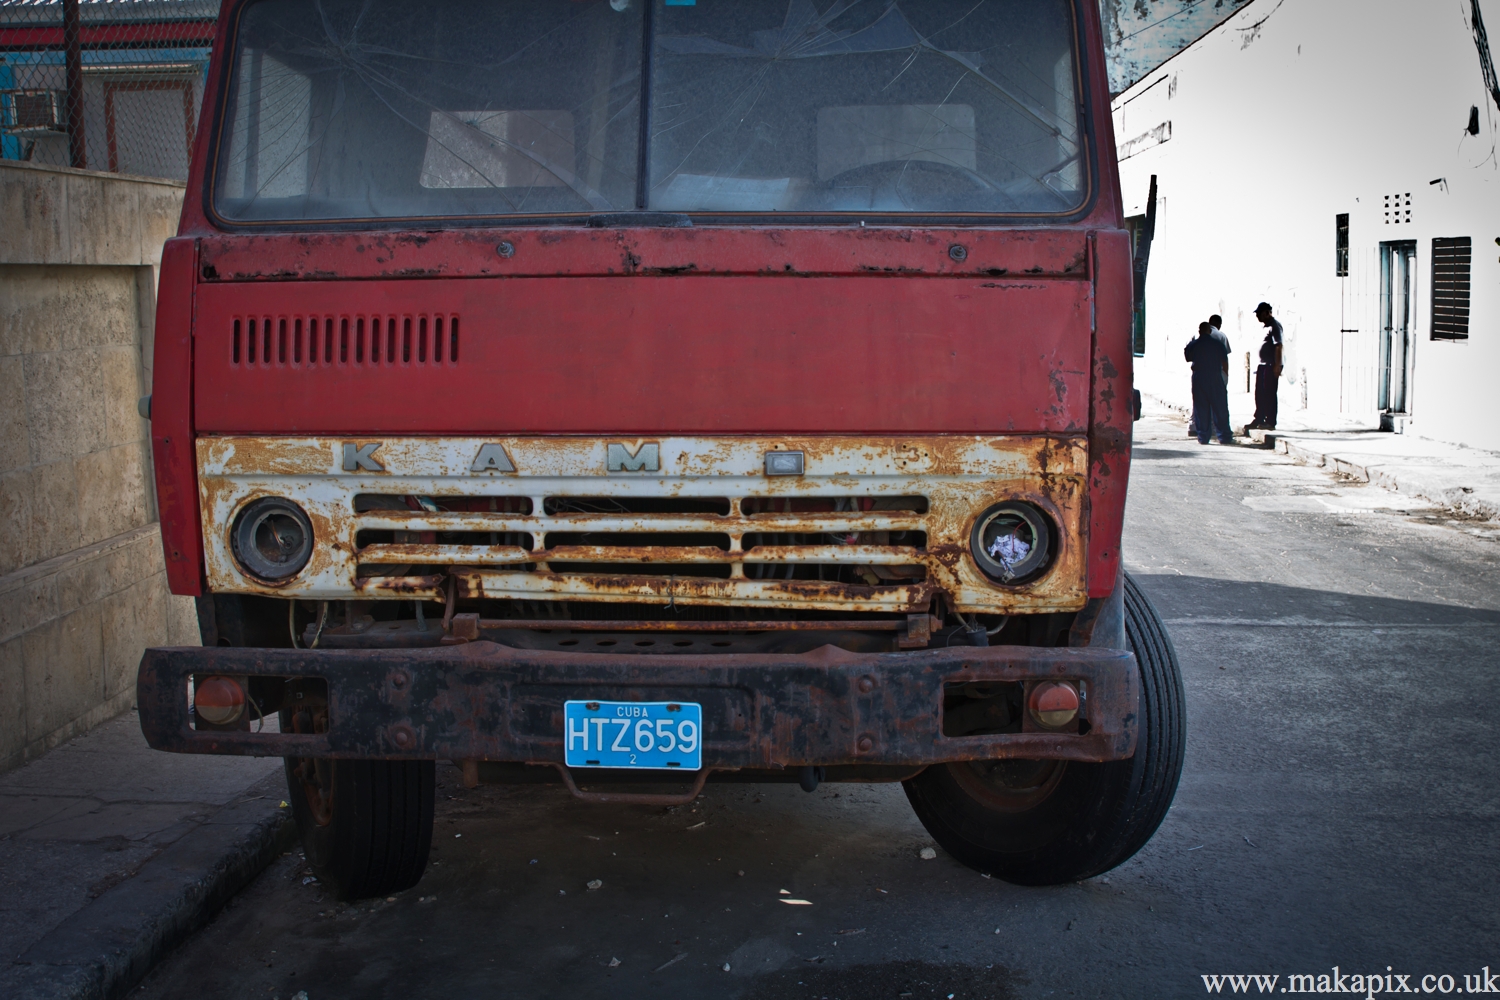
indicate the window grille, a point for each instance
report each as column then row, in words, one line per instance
column 1398, row 209
column 1450, row 287
column 1341, row 245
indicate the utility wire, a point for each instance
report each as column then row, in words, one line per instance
column 1486, row 61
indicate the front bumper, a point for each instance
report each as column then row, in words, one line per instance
column 485, row 701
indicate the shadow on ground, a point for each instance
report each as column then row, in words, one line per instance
column 918, row 980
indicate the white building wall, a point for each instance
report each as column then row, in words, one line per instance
column 1287, row 114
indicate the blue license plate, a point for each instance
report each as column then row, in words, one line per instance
column 664, row 735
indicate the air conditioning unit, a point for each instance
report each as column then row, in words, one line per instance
column 30, row 112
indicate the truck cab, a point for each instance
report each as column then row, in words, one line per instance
column 633, row 394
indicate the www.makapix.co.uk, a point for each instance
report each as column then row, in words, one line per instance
column 1367, row 985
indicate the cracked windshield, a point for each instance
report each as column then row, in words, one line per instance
column 380, row 109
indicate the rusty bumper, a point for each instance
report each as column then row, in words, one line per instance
column 485, row 701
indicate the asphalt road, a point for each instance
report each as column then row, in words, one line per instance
column 1338, row 808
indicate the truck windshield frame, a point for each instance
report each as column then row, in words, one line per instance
column 359, row 114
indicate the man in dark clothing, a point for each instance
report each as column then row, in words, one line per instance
column 1209, row 354
column 1217, row 322
column 1269, row 371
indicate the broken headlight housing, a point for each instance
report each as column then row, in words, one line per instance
column 272, row 539
column 1012, row 542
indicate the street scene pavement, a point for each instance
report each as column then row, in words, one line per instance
column 1337, row 809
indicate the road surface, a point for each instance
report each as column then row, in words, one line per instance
column 1338, row 808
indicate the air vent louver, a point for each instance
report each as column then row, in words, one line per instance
column 314, row 342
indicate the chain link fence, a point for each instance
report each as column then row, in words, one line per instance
column 110, row 85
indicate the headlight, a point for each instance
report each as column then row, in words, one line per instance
column 272, row 539
column 1012, row 542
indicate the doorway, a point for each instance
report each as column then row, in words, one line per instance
column 1398, row 269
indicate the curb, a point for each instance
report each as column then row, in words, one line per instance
column 106, row 948
column 1460, row 498
column 1186, row 412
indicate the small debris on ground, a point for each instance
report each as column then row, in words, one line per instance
column 852, row 930
column 596, row 883
column 785, row 892
column 390, row 899
column 283, row 805
column 670, row 962
column 698, row 825
column 614, row 963
column 1248, row 840
column 562, row 892
column 309, row 880
column 797, row 902
column 457, row 835
column 726, row 966
column 928, row 854
column 427, row 899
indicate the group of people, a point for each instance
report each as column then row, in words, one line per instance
column 1208, row 353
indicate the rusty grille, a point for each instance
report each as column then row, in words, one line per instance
column 325, row 341
column 872, row 525
column 866, row 540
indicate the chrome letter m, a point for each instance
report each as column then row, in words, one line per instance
column 646, row 458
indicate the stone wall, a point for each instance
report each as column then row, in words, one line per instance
column 82, row 587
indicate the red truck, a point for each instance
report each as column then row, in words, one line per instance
column 638, row 393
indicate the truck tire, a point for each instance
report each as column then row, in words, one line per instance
column 1049, row 822
column 366, row 825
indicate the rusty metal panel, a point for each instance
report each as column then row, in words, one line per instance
column 581, row 251
column 956, row 477
column 485, row 701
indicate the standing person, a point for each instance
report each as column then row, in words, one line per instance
column 1269, row 371
column 1209, row 354
column 1217, row 322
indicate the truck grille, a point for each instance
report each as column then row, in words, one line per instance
column 870, row 540
column 871, row 525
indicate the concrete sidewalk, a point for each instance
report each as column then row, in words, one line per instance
column 111, row 853
column 1463, row 478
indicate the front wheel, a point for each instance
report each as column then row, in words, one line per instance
column 366, row 825
column 1047, row 822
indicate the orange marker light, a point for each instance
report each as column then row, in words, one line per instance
column 1054, row 704
column 219, row 701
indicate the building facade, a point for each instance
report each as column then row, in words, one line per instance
column 131, row 107
column 1338, row 159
